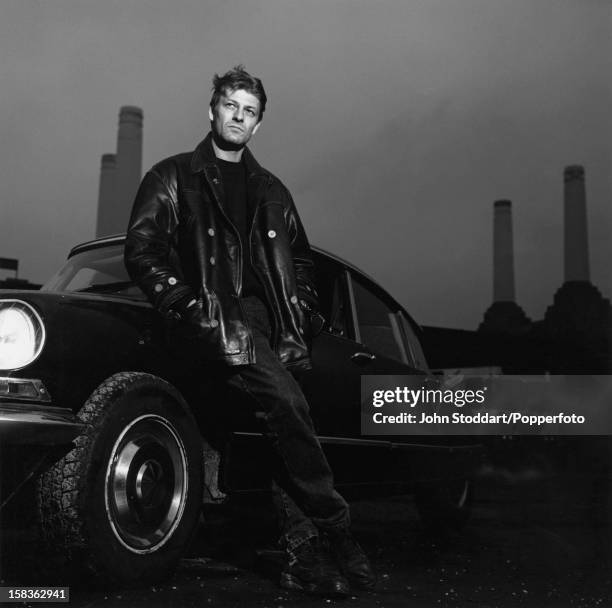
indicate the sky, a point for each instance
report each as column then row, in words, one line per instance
column 396, row 124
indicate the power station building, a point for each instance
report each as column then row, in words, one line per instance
column 575, row 334
column 120, row 174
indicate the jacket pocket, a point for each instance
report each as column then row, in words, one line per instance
column 197, row 334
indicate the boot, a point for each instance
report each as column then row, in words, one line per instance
column 351, row 559
column 311, row 569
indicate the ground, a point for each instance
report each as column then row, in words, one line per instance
column 531, row 542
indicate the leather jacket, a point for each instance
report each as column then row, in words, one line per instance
column 182, row 246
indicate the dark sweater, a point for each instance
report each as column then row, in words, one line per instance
column 236, row 208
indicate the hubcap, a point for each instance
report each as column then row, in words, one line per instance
column 146, row 484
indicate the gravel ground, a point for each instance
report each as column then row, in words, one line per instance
column 530, row 543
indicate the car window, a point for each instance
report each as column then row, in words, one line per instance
column 379, row 325
column 99, row 270
column 338, row 317
column 329, row 278
column 413, row 345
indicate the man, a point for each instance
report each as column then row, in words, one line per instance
column 216, row 244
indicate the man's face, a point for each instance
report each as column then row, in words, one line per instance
column 235, row 118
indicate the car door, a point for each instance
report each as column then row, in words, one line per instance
column 378, row 325
column 364, row 336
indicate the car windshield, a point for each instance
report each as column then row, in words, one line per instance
column 99, row 270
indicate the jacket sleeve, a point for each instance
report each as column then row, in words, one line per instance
column 148, row 247
column 302, row 260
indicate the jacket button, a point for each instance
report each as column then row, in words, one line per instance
column 211, row 232
column 271, row 233
column 294, row 299
column 158, row 287
column 172, row 281
column 214, row 323
column 212, row 260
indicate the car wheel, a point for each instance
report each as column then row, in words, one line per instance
column 124, row 502
column 445, row 506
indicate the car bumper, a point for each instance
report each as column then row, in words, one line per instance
column 28, row 424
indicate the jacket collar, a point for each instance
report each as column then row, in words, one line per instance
column 204, row 158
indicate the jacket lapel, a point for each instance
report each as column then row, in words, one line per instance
column 203, row 161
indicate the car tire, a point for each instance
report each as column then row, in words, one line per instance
column 123, row 504
column 445, row 506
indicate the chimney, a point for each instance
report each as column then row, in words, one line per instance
column 503, row 256
column 129, row 164
column 575, row 230
column 106, row 194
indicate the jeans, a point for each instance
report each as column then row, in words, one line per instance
column 304, row 493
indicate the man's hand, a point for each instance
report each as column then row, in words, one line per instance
column 193, row 316
column 191, row 333
column 317, row 321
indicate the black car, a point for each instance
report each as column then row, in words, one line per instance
column 115, row 424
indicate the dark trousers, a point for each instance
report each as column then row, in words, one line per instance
column 304, row 492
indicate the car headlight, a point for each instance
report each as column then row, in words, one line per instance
column 22, row 334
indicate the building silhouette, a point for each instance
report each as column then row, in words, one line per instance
column 575, row 333
column 14, row 283
column 578, row 324
column 120, row 174
column 504, row 315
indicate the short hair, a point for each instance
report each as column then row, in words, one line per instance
column 238, row 78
